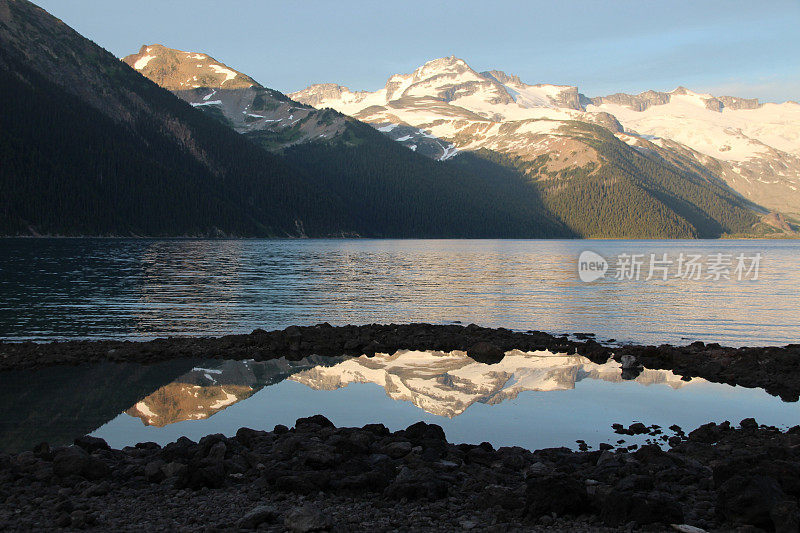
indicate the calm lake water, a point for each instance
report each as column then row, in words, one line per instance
column 139, row 289
column 529, row 399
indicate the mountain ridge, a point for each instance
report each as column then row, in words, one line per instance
column 755, row 146
column 439, row 87
column 91, row 146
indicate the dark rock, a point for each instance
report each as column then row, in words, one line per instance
column 748, row 500
column 555, row 493
column 707, row 433
column 43, row 450
column 623, row 507
column 249, row 436
column 217, row 451
column 416, row 485
column 205, row 473
column 78, row 519
column 99, row 489
column 378, row 429
column 785, row 517
column 305, row 519
column 74, row 461
column 303, row 483
column 63, row 520
column 315, row 421
column 153, row 471
column 178, row 450
column 396, row 450
column 174, row 469
column 148, row 446
column 70, row 461
column 749, row 423
column 91, row 444
column 421, row 431
column 634, row 482
column 486, row 352
column 318, row 457
column 258, row 516
column 498, row 495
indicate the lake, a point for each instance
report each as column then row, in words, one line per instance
column 141, row 289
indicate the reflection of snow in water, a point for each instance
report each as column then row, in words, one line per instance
column 532, row 400
column 446, row 384
column 224, row 402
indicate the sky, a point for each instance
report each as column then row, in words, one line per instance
column 725, row 47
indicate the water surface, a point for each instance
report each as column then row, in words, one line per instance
column 534, row 400
column 140, row 289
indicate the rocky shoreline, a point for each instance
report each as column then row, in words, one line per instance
column 775, row 369
column 318, row 477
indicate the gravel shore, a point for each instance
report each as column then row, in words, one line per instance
column 317, row 477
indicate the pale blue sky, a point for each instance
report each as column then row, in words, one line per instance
column 744, row 48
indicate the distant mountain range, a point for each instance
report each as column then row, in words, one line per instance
column 91, row 146
column 753, row 147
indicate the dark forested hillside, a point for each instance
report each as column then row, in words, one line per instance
column 631, row 195
column 398, row 193
column 90, row 147
column 68, row 169
column 116, row 154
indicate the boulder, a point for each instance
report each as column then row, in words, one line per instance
column 305, row 519
column 396, row 450
column 422, row 431
column 555, row 493
column 74, row 461
column 256, row 517
column 620, row 508
column 313, row 422
column 91, row 444
column 486, row 352
column 748, row 500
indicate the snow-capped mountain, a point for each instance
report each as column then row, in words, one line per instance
column 754, row 147
column 557, row 148
column 446, row 384
column 233, row 97
column 445, row 106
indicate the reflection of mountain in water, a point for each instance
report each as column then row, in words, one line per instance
column 57, row 404
column 446, row 384
column 203, row 392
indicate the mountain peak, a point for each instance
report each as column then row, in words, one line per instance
column 442, row 65
column 502, row 77
column 179, row 70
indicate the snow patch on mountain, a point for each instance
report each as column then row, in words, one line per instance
column 143, row 61
column 219, row 69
